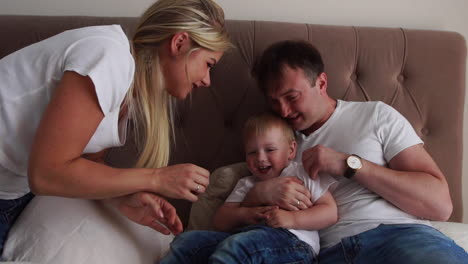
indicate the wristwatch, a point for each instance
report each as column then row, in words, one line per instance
column 353, row 163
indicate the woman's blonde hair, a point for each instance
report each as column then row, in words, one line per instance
column 150, row 106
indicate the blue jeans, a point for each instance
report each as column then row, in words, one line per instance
column 251, row 244
column 399, row 244
column 9, row 211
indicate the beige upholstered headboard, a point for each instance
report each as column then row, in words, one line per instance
column 421, row 73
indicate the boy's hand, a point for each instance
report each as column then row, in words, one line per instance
column 151, row 210
column 280, row 218
column 258, row 215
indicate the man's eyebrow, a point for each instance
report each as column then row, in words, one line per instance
column 288, row 92
column 292, row 90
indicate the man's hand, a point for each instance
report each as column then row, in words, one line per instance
column 151, row 210
column 284, row 192
column 322, row 159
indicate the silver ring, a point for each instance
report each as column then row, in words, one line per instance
column 298, row 203
column 198, row 188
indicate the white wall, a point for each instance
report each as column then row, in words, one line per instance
column 451, row 15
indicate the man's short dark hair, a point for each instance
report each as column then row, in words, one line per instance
column 295, row 54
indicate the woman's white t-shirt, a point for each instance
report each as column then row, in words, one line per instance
column 29, row 77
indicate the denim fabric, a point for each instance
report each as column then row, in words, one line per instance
column 9, row 211
column 252, row 244
column 398, row 244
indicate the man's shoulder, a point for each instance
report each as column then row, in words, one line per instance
column 366, row 106
column 363, row 103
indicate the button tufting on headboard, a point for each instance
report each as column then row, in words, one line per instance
column 419, row 72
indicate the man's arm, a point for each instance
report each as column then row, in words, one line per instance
column 413, row 182
column 284, row 192
column 322, row 214
column 232, row 215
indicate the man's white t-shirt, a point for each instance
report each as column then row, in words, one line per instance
column 29, row 77
column 376, row 132
column 316, row 187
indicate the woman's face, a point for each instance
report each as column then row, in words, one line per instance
column 184, row 73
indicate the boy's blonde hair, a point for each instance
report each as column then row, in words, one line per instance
column 259, row 123
column 150, row 106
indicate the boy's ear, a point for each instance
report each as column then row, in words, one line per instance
column 180, row 43
column 293, row 149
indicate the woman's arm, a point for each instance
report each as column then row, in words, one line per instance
column 56, row 165
column 322, row 214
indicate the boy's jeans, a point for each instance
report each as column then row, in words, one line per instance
column 9, row 211
column 398, row 244
column 252, row 244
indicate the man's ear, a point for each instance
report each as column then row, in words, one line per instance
column 180, row 43
column 322, row 81
column 292, row 149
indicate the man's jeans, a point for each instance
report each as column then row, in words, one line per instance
column 9, row 211
column 252, row 244
column 398, row 244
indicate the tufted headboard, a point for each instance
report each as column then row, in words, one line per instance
column 419, row 72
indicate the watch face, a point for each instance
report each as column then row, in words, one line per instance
column 354, row 162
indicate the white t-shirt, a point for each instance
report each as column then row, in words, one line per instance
column 376, row 132
column 29, row 77
column 316, row 187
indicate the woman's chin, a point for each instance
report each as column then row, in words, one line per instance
column 180, row 95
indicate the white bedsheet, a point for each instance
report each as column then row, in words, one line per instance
column 57, row 230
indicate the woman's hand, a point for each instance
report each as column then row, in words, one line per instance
column 181, row 181
column 151, row 210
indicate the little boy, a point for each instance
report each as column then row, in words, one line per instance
column 265, row 234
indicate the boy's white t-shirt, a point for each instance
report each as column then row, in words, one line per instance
column 316, row 187
column 376, row 132
column 29, row 77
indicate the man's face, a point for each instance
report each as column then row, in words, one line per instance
column 302, row 105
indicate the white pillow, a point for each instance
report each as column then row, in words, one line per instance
column 76, row 231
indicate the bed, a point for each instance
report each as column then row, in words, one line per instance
column 419, row 72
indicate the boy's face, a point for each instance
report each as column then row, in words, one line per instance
column 269, row 153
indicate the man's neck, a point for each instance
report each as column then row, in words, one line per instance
column 331, row 106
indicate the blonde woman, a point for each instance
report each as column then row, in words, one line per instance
column 67, row 99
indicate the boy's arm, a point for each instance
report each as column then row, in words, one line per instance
column 232, row 215
column 322, row 214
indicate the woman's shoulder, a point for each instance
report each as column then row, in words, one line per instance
column 114, row 32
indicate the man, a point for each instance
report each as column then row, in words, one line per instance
column 388, row 183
